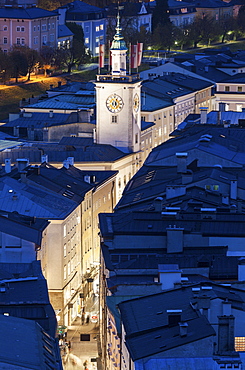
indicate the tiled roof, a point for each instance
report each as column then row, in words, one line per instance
column 26, row 13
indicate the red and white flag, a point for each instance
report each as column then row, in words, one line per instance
column 101, row 55
column 139, row 52
column 133, row 56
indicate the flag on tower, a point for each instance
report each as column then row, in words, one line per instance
column 101, row 55
column 139, row 52
column 133, row 56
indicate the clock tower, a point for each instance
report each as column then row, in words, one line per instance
column 118, row 96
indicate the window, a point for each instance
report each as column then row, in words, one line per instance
column 114, row 119
column 239, row 107
column 97, row 28
column 136, row 138
column 18, row 41
column 5, row 28
column 22, row 29
column 64, row 250
column 49, row 26
column 18, row 29
column 34, row 28
column 22, row 41
column 69, row 268
column 52, row 25
column 239, row 88
column 86, row 40
column 5, row 40
column 227, row 88
column 44, row 27
column 239, row 344
column 44, row 40
column 101, row 27
column 216, row 187
column 87, row 29
column 52, row 37
column 35, row 40
column 64, row 272
column 38, row 28
column 64, row 231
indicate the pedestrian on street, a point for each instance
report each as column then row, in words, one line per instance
column 87, row 319
column 69, row 346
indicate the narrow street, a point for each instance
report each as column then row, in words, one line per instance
column 83, row 353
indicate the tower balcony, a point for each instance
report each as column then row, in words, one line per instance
column 120, row 78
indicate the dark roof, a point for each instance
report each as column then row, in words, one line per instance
column 26, row 13
column 38, row 120
column 81, row 149
column 64, row 31
column 27, row 228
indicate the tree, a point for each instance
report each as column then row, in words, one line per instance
column 19, row 63
column 203, row 29
column 31, row 56
column 226, row 25
column 47, row 58
column 160, row 15
column 5, row 67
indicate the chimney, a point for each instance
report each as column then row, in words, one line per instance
column 225, row 199
column 169, row 275
column 181, row 162
column 51, row 114
column 204, row 112
column 226, row 307
column 226, row 334
column 222, row 107
column 16, row 131
column 23, row 176
column 241, row 269
column 94, row 135
column 70, row 160
column 66, row 164
column 174, row 239
column 7, row 165
column 44, row 158
column 22, row 163
column 86, row 178
column 158, row 204
column 233, row 189
column 183, row 326
column 174, row 317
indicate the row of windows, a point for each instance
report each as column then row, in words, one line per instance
column 35, row 28
column 70, row 245
column 69, row 268
column 70, row 225
column 44, row 39
column 239, row 88
column 19, row 40
column 99, row 28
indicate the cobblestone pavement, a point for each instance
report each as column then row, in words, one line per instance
column 83, row 354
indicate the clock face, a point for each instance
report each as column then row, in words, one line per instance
column 136, row 102
column 114, row 103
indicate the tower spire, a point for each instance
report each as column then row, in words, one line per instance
column 118, row 50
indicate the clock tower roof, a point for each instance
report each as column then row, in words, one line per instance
column 118, row 42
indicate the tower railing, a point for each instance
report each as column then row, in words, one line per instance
column 119, row 78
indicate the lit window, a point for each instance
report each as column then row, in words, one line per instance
column 97, row 28
column 227, row 88
column 86, row 40
column 64, row 250
column 64, row 272
column 239, row 344
column 101, row 27
column 64, row 231
column 216, row 187
column 239, row 88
